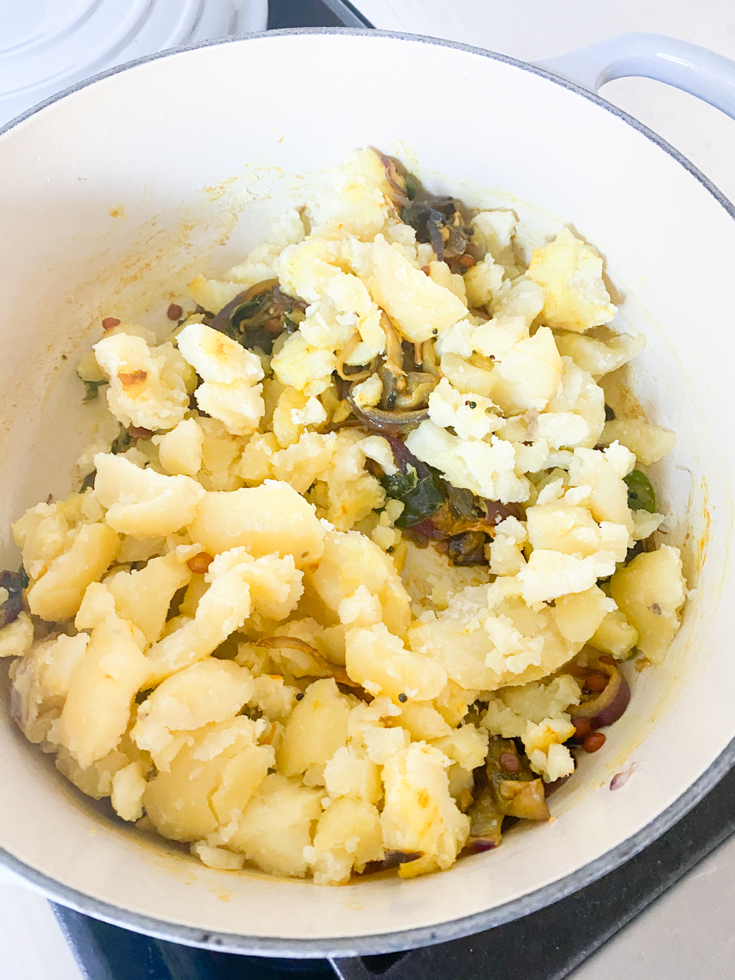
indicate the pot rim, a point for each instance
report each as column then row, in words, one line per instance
column 399, row 940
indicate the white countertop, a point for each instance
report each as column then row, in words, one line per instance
column 32, row 946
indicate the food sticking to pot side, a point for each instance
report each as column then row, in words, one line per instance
column 360, row 554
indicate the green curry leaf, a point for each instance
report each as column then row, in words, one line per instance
column 420, row 495
column 641, row 495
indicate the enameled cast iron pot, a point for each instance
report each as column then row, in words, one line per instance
column 114, row 195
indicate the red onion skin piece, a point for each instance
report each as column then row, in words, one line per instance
column 393, row 858
column 478, row 846
column 403, row 455
column 550, row 788
column 621, row 778
column 498, row 512
column 427, row 529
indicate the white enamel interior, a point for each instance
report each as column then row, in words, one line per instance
column 112, row 196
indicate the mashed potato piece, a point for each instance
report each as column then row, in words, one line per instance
column 364, row 531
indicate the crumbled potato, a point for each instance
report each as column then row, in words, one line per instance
column 276, row 826
column 141, row 502
column 219, row 769
column 347, row 836
column 338, row 546
column 101, row 691
column 648, row 443
column 268, row 519
column 58, row 594
column 650, row 591
column 570, row 274
column 316, row 728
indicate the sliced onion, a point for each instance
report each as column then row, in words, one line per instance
column 220, row 321
column 393, row 858
column 331, row 670
column 476, row 845
column 387, row 423
column 610, row 704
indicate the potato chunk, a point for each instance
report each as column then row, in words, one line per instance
column 316, row 728
column 578, row 615
column 351, row 560
column 222, row 609
column 266, row 520
column 229, row 391
column 58, row 594
column 604, row 472
column 528, row 375
column 348, row 835
column 141, row 502
column 97, row 708
column 570, row 274
column 16, row 638
column 147, row 385
column 128, row 787
column 648, row 443
column 41, row 680
column 382, row 665
column 419, row 307
column 650, row 591
column 350, row 773
column 143, row 597
column 614, row 635
column 180, row 450
column 208, row 691
column 599, row 357
column 210, row 781
column 419, row 815
column 43, row 534
column 276, row 826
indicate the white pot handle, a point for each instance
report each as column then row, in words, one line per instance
column 696, row 70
